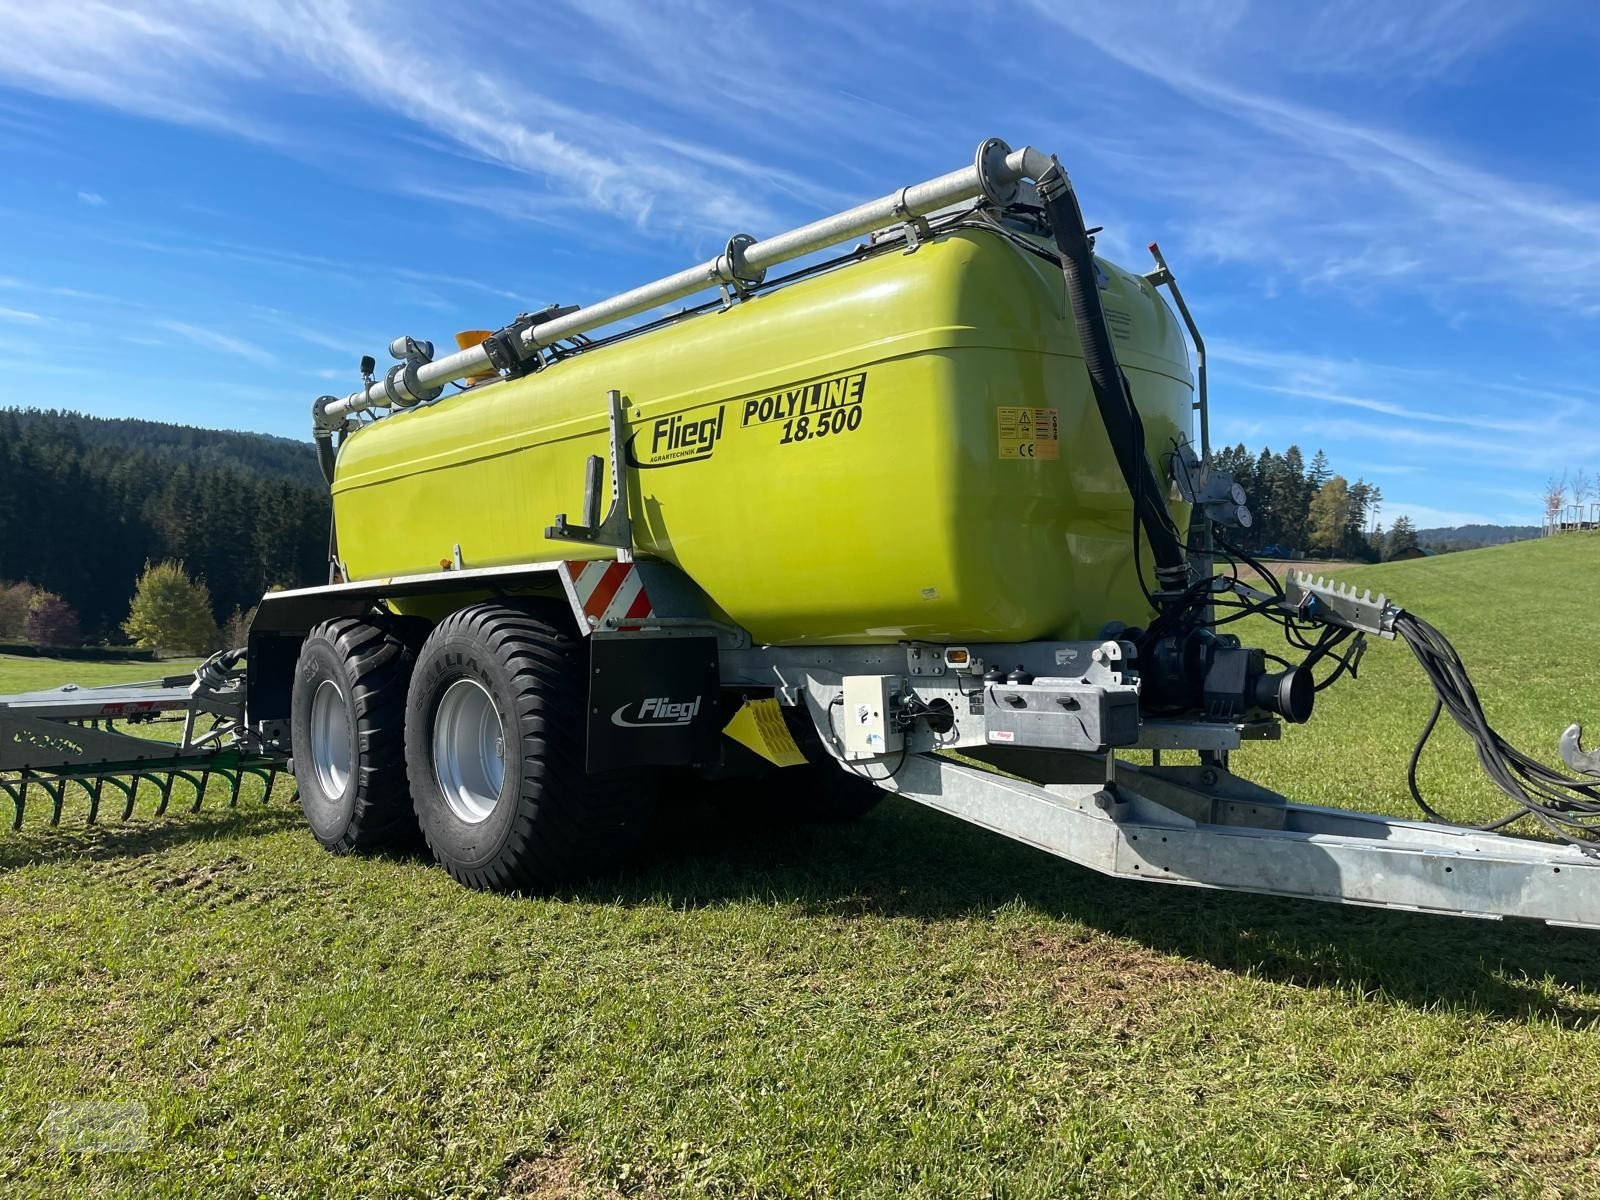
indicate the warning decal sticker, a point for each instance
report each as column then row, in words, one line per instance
column 1029, row 432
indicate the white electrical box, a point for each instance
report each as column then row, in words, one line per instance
column 869, row 725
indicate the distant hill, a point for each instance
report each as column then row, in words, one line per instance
column 256, row 454
column 1468, row 537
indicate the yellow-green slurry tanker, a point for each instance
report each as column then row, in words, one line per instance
column 905, row 446
column 795, row 543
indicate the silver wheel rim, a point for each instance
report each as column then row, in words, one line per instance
column 469, row 751
column 333, row 749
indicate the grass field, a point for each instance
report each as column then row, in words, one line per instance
column 903, row 1007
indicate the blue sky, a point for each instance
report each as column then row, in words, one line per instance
column 1385, row 215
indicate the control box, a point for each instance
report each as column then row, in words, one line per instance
column 870, row 728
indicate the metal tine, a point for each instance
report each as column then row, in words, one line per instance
column 58, row 796
column 162, row 786
column 130, row 793
column 260, row 773
column 32, row 779
column 21, row 795
column 165, row 783
column 94, row 787
column 134, row 790
column 197, row 784
column 14, row 790
column 128, row 786
column 200, row 789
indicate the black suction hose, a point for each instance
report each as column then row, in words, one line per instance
column 1112, row 395
column 327, row 459
column 322, row 436
column 325, row 452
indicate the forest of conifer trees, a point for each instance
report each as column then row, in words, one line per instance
column 1305, row 508
column 84, row 503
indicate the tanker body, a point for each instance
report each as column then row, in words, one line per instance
column 889, row 507
column 904, row 446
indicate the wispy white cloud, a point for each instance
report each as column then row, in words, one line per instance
column 1356, row 37
column 92, row 199
column 1295, row 367
column 219, row 341
column 1328, row 198
column 199, row 63
column 1456, row 453
column 1484, row 444
column 1388, row 409
column 21, row 316
column 39, row 288
column 338, row 340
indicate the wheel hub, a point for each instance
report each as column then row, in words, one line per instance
column 469, row 750
column 332, row 740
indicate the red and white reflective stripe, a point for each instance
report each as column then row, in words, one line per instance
column 606, row 591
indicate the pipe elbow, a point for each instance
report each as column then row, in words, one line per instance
column 1028, row 163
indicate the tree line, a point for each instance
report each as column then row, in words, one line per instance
column 86, row 504
column 1305, row 509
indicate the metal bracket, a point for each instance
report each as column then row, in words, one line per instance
column 1584, row 762
column 508, row 351
column 401, row 383
column 917, row 231
column 616, row 529
column 1201, row 484
column 1162, row 277
column 1327, row 601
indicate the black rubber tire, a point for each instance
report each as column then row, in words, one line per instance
column 371, row 667
column 552, row 822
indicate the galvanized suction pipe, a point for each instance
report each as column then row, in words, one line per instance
column 995, row 172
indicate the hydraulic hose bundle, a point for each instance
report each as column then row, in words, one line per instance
column 1565, row 806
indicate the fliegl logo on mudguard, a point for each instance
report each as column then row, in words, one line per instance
column 810, row 411
column 680, row 438
column 656, row 711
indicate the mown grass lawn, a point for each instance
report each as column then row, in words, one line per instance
column 903, row 1007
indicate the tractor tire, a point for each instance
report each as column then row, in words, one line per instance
column 495, row 727
column 347, row 726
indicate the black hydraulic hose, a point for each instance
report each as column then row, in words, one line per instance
column 1566, row 806
column 1113, row 397
column 325, row 453
column 327, row 459
column 322, row 434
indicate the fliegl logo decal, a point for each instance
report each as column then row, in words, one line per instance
column 679, row 438
column 656, row 712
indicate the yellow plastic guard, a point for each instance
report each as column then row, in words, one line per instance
column 759, row 725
